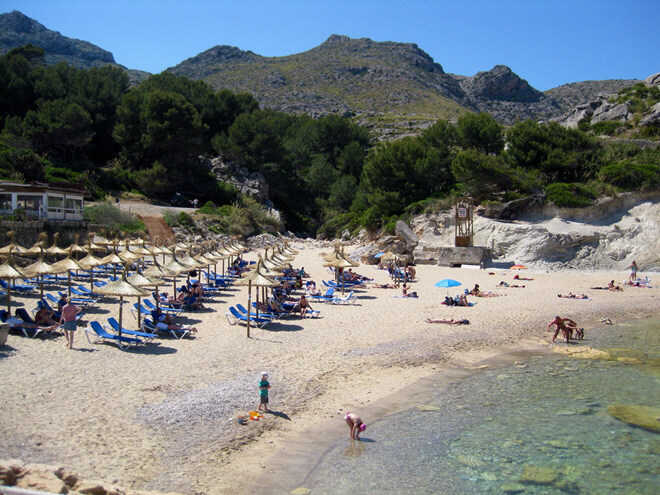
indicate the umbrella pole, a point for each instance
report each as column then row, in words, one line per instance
column 8, row 299
column 249, row 304
column 139, row 312
column 121, row 307
column 69, row 272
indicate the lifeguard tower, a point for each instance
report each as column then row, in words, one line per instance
column 464, row 228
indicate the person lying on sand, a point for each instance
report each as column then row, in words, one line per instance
column 384, row 286
column 462, row 321
column 504, row 284
column 518, row 277
column 570, row 295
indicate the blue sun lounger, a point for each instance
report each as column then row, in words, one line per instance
column 234, row 316
column 114, row 326
column 96, row 330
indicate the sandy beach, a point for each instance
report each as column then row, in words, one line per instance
column 162, row 417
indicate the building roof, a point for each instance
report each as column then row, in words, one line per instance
column 58, row 187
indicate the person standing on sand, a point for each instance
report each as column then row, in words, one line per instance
column 263, row 391
column 633, row 271
column 68, row 320
column 355, row 424
column 565, row 325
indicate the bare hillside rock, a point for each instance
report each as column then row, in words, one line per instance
column 607, row 237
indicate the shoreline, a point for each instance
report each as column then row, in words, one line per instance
column 350, row 358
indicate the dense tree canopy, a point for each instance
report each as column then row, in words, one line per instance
column 60, row 123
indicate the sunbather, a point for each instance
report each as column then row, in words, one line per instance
column 15, row 322
column 613, row 287
column 505, row 284
column 570, row 295
column 384, row 286
column 462, row 321
column 44, row 317
column 303, row 306
column 161, row 325
column 405, row 291
column 518, row 277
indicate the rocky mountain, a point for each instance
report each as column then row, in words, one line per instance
column 16, row 29
column 395, row 88
column 374, row 80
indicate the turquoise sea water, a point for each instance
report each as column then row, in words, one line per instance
column 541, row 427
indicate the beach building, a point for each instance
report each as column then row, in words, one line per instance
column 43, row 201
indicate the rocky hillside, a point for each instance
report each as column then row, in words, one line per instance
column 16, row 29
column 395, row 88
column 377, row 81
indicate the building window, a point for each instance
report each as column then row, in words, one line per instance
column 55, row 201
column 5, row 202
column 28, row 203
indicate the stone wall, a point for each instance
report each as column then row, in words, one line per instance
column 27, row 233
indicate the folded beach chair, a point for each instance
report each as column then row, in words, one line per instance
column 234, row 316
column 149, row 326
column 114, row 326
column 96, row 330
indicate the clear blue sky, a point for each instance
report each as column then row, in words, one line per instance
column 547, row 42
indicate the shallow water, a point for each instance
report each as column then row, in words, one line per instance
column 545, row 418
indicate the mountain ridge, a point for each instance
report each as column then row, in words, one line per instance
column 393, row 87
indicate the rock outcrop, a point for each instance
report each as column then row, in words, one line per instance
column 246, row 182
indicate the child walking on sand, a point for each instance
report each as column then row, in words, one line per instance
column 263, row 391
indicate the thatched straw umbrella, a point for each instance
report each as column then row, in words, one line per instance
column 341, row 262
column 12, row 246
column 122, row 288
column 139, row 280
column 158, row 272
column 38, row 247
column 54, row 249
column 38, row 269
column 9, row 272
column 67, row 265
column 258, row 280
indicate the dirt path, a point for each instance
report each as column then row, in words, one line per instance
column 158, row 228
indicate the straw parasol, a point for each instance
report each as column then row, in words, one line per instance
column 12, row 246
column 341, row 262
column 90, row 262
column 175, row 267
column 38, row 247
column 258, row 280
column 67, row 265
column 9, row 272
column 38, row 269
column 158, row 272
column 122, row 288
column 139, row 280
column 54, row 249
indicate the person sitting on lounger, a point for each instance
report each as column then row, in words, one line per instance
column 158, row 316
column 303, row 306
column 462, row 321
column 15, row 322
column 312, row 290
column 44, row 317
column 570, row 295
column 166, row 299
